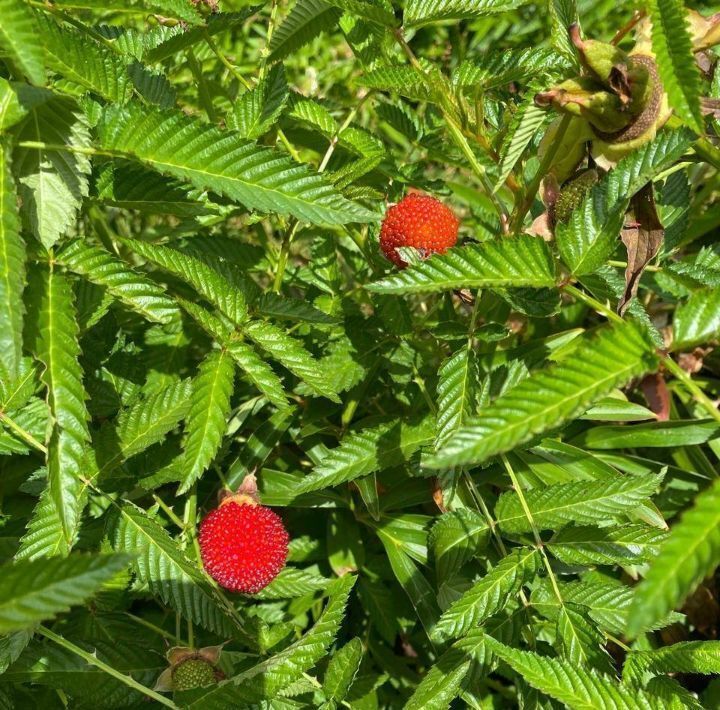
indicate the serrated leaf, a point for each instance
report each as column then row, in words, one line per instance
column 494, row 69
column 591, row 234
column 455, row 538
column 169, row 574
column 580, row 641
column 255, row 111
column 341, row 670
column 421, row 12
column 291, row 354
column 369, row 450
column 52, row 182
column 207, row 281
column 128, row 286
column 457, row 390
column 578, row 688
column 266, row 679
column 259, row 373
column 307, row 19
column 19, row 37
column 12, row 269
column 511, row 261
column 685, row 657
column 549, row 397
column 84, row 61
column 491, row 594
column 697, row 320
column 56, row 346
column 146, row 421
column 690, row 553
column 32, row 591
column 211, row 159
column 524, row 124
column 578, row 502
column 675, row 58
column 627, row 545
column 207, row 417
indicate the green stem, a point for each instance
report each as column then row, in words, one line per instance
column 593, row 303
column 224, row 61
column 700, row 397
column 529, row 197
column 268, row 38
column 156, row 629
column 169, row 511
column 283, row 256
column 95, row 661
column 536, row 533
column 26, row 436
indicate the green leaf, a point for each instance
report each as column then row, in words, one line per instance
column 457, row 390
column 269, row 677
column 697, row 321
column 169, row 574
column 290, row 353
column 379, row 11
column 410, row 578
column 494, row 69
column 675, row 58
column 12, row 269
column 207, row 417
column 580, row 641
column 259, row 373
column 369, row 450
column 455, row 538
column 685, row 657
column 208, row 282
column 52, row 182
column 627, row 545
column 146, row 421
column 307, row 19
column 421, row 12
column 341, row 670
column 32, row 591
column 211, row 159
column 131, row 288
column 578, row 502
column 690, row 553
column 651, row 434
column 578, row 688
column 591, row 234
column 550, row 397
column 56, row 346
column 258, row 109
column 525, row 123
column 491, row 594
column 20, row 38
column 84, row 61
column 511, row 261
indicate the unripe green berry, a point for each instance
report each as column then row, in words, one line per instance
column 193, row 673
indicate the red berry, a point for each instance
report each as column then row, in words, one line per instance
column 418, row 221
column 243, row 546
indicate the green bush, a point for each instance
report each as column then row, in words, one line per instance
column 498, row 465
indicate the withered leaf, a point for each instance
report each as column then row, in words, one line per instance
column 643, row 238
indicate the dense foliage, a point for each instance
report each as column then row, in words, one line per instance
column 498, row 466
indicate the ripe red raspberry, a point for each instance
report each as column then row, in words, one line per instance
column 243, row 545
column 418, row 221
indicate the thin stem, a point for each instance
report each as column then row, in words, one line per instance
column 700, row 397
column 536, row 534
column 224, row 61
column 623, row 265
column 95, row 661
column 26, row 436
column 524, row 206
column 283, row 256
column 637, row 16
column 156, row 629
column 268, row 38
column 169, row 511
column 336, row 137
column 593, row 303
